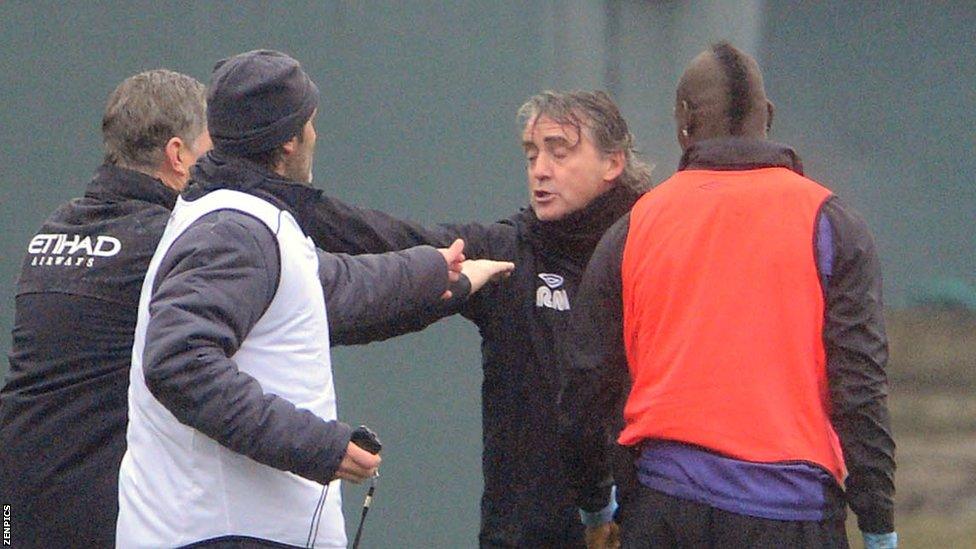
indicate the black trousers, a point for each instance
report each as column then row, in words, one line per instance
column 657, row 520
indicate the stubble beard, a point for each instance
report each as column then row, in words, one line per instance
column 299, row 170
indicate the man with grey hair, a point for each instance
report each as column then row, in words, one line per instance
column 63, row 408
column 583, row 173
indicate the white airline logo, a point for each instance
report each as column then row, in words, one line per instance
column 71, row 250
column 551, row 295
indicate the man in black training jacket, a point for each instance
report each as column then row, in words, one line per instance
column 583, row 174
column 63, row 408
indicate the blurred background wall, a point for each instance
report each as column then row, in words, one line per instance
column 417, row 119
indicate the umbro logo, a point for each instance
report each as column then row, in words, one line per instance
column 550, row 295
column 552, row 280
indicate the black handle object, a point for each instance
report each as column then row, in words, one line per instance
column 367, row 440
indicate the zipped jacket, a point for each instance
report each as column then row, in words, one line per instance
column 527, row 500
column 63, row 408
column 232, row 421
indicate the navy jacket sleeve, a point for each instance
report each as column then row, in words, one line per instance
column 337, row 227
column 340, row 228
column 199, row 320
column 375, row 297
column 857, row 354
column 595, row 379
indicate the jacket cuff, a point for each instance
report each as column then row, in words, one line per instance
column 879, row 520
column 594, row 498
column 333, row 450
column 433, row 271
column 602, row 516
column 461, row 289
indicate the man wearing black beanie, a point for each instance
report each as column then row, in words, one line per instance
column 233, row 436
column 259, row 100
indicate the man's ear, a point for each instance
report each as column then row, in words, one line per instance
column 290, row 146
column 177, row 157
column 617, row 161
column 684, row 119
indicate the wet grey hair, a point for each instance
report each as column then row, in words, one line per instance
column 145, row 111
column 601, row 118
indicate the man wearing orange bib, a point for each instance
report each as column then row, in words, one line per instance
column 739, row 307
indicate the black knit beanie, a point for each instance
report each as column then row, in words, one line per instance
column 257, row 101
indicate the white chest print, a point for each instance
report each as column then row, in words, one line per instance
column 551, row 294
column 71, row 250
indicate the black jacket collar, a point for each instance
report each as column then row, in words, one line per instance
column 115, row 182
column 216, row 171
column 739, row 153
column 577, row 234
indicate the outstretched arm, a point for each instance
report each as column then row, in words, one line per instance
column 375, row 297
column 340, row 228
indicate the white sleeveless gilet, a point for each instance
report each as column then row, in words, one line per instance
column 178, row 486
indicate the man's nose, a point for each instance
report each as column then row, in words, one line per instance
column 541, row 169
